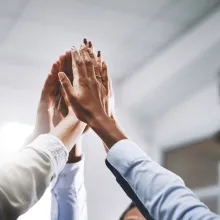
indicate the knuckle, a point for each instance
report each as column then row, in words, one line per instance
column 79, row 62
column 83, row 81
column 93, row 82
column 88, row 63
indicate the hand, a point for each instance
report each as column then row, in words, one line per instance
column 44, row 119
column 65, row 65
column 86, row 97
column 86, row 94
column 46, row 115
column 101, row 70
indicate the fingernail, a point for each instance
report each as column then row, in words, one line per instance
column 99, row 53
column 82, row 46
column 73, row 49
column 85, row 41
column 90, row 44
column 61, row 76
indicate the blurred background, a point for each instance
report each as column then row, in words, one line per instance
column 164, row 58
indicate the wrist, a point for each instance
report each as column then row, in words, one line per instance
column 107, row 129
column 97, row 120
column 75, row 155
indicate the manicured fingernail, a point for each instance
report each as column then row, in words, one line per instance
column 90, row 44
column 99, row 53
column 85, row 41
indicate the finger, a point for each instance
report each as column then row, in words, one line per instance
column 56, row 93
column 88, row 63
column 62, row 63
column 65, row 105
column 91, row 46
column 59, row 101
column 95, row 64
column 69, row 71
column 85, row 41
column 99, row 58
column 65, row 98
column 54, row 69
column 105, row 77
column 82, row 47
column 58, row 66
column 50, row 83
column 67, row 87
column 78, row 66
column 99, row 66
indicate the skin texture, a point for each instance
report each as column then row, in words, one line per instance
column 134, row 214
column 48, row 119
column 87, row 96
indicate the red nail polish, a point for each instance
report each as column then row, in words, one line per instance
column 85, row 41
column 90, row 44
column 99, row 53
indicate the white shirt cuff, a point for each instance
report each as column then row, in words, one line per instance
column 123, row 154
column 53, row 148
column 72, row 176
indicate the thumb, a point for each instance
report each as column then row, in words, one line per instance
column 66, row 100
column 66, row 85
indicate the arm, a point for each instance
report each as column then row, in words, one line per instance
column 149, row 185
column 24, row 179
column 69, row 200
column 152, row 187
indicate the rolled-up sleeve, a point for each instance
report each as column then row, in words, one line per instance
column 69, row 199
column 24, row 179
column 158, row 193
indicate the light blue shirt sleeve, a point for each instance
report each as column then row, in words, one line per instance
column 153, row 188
column 69, row 200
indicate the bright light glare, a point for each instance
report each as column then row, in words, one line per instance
column 12, row 137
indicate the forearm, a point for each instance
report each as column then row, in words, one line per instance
column 152, row 187
column 107, row 129
column 24, row 179
column 68, row 131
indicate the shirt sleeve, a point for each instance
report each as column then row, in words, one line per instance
column 157, row 192
column 24, row 179
column 69, row 200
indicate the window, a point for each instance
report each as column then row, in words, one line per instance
column 198, row 164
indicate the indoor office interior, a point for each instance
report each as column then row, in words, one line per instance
column 164, row 61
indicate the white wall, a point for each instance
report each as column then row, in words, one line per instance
column 196, row 117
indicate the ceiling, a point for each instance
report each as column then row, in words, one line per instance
column 129, row 34
column 159, row 52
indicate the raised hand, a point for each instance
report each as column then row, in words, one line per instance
column 85, row 96
column 101, row 72
column 45, row 111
